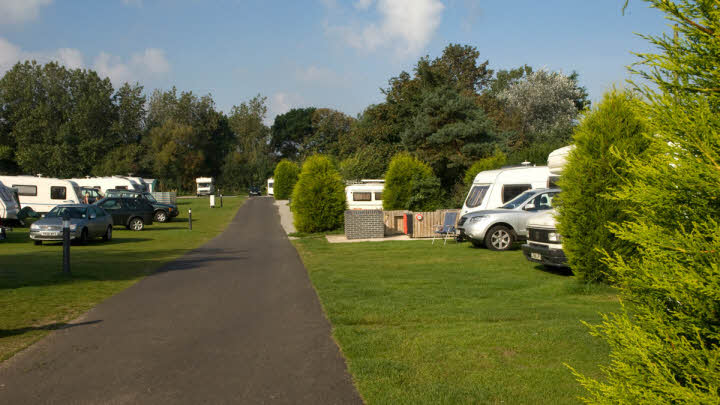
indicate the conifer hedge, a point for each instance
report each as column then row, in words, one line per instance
column 284, row 178
column 406, row 175
column 318, row 200
column 606, row 136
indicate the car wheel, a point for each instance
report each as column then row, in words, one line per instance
column 136, row 224
column 499, row 238
column 37, row 242
column 83, row 236
column 161, row 216
column 108, row 234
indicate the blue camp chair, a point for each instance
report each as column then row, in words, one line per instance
column 447, row 229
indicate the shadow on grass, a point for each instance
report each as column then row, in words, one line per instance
column 33, row 269
column 48, row 327
column 557, row 270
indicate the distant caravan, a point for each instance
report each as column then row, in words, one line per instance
column 271, row 186
column 42, row 194
column 205, row 186
column 367, row 195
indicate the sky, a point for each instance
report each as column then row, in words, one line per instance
column 322, row 53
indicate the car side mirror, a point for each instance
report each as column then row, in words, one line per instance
column 529, row 207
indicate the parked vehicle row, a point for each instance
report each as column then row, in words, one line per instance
column 161, row 212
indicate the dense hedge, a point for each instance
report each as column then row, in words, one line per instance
column 318, row 200
column 496, row 161
column 402, row 181
column 284, row 178
column 595, row 167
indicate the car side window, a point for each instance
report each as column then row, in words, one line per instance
column 111, row 205
column 130, row 203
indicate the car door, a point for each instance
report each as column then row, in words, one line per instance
column 113, row 207
column 534, row 206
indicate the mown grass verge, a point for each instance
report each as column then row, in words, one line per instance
column 36, row 298
column 422, row 324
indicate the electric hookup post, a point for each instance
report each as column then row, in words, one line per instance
column 190, row 219
column 66, row 243
column 220, row 200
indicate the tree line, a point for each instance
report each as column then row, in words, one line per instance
column 450, row 112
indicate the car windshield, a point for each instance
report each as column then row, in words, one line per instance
column 74, row 212
column 476, row 195
column 203, row 184
column 150, row 197
column 519, row 200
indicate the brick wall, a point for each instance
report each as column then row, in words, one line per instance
column 364, row 224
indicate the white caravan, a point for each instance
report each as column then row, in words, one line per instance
column 493, row 188
column 42, row 194
column 106, row 183
column 9, row 206
column 138, row 183
column 271, row 186
column 365, row 196
column 205, row 186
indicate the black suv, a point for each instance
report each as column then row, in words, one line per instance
column 254, row 191
column 133, row 213
column 162, row 212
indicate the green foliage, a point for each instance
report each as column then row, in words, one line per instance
column 284, row 179
column 400, row 181
column 665, row 347
column 367, row 163
column 123, row 159
column 318, row 199
column 178, row 158
column 606, row 136
column 426, row 193
column 290, row 132
column 496, row 161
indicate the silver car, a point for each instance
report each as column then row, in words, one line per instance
column 86, row 222
column 499, row 228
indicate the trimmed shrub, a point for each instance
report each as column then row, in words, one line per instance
column 318, row 200
column 403, row 173
column 595, row 167
column 284, row 178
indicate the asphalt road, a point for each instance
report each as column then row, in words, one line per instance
column 235, row 321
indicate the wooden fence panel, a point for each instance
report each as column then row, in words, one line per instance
column 430, row 221
column 394, row 222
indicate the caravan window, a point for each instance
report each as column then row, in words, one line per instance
column 58, row 193
column 476, row 196
column 511, row 191
column 30, row 191
column 378, row 196
column 362, row 196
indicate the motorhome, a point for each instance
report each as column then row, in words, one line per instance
column 493, row 188
column 367, row 195
column 43, row 193
column 9, row 204
column 106, row 183
column 271, row 186
column 544, row 242
column 205, row 186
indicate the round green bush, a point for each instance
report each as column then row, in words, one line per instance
column 402, row 180
column 318, row 200
column 606, row 137
column 284, row 178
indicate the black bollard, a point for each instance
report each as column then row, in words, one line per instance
column 66, row 243
column 190, row 219
column 220, row 200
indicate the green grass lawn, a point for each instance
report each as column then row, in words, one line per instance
column 456, row 324
column 35, row 297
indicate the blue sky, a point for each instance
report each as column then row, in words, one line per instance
column 323, row 53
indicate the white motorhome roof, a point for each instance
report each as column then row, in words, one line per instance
column 365, row 187
column 204, row 180
column 491, row 176
column 558, row 158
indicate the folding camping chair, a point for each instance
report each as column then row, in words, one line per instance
column 447, row 229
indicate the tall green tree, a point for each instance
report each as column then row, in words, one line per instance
column 178, row 157
column 57, row 121
column 665, row 348
column 249, row 161
column 290, row 132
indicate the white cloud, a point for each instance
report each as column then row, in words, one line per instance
column 405, row 25
column 10, row 54
column 152, row 62
column 280, row 103
column 17, row 11
column 319, row 75
column 140, row 66
column 363, row 4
